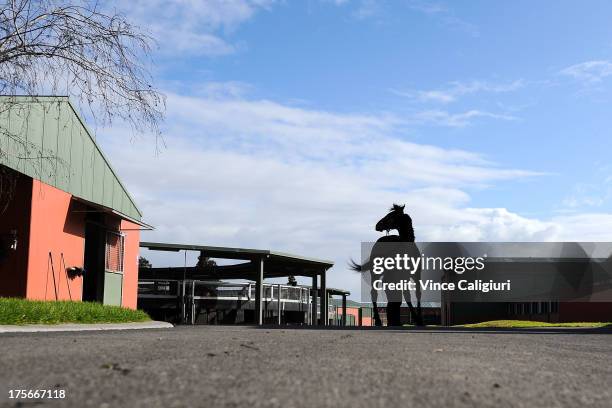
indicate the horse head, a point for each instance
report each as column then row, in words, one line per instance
column 393, row 220
column 397, row 220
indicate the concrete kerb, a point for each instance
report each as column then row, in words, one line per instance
column 72, row 327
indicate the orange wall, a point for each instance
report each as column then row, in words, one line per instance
column 57, row 227
column 57, row 231
column 130, row 263
column 354, row 311
column 367, row 321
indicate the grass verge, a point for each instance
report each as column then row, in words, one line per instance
column 22, row 311
column 518, row 324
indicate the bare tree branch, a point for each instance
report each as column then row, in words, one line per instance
column 73, row 48
column 100, row 59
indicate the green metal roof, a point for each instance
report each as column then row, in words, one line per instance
column 44, row 137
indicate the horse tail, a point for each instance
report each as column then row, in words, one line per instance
column 354, row 266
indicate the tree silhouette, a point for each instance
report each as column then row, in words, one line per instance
column 144, row 262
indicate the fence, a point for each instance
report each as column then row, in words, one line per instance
column 192, row 295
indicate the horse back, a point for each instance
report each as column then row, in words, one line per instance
column 389, row 238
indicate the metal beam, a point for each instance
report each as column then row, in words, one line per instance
column 314, row 320
column 259, row 293
column 324, row 313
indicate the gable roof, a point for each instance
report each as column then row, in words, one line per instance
column 45, row 138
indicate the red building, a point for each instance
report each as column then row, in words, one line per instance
column 357, row 314
column 68, row 227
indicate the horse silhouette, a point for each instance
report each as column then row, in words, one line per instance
column 397, row 220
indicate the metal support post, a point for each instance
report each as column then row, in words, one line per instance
column 259, row 293
column 279, row 303
column 314, row 320
column 324, row 311
column 344, row 310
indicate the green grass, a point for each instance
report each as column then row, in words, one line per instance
column 527, row 323
column 21, row 311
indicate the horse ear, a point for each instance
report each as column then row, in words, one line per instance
column 397, row 207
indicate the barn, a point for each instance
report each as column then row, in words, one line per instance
column 69, row 229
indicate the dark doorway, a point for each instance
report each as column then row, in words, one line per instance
column 93, row 279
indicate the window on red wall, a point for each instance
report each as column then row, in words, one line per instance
column 115, row 250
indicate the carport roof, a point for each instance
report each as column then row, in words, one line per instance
column 276, row 263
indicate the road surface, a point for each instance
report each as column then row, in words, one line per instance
column 215, row 366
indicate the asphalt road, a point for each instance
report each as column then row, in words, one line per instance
column 245, row 366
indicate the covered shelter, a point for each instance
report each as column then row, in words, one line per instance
column 258, row 264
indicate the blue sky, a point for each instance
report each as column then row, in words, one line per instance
column 294, row 125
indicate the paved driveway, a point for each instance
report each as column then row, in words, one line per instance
column 243, row 366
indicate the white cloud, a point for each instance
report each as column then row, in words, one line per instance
column 337, row 2
column 453, row 93
column 363, row 9
column 257, row 173
column 230, row 89
column 458, row 89
column 444, row 15
column 586, row 227
column 443, row 118
column 367, row 9
column 185, row 41
column 589, row 71
column 428, row 7
column 195, row 27
column 584, row 195
column 437, row 96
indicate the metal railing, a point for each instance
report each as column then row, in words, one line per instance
column 159, row 288
column 188, row 292
column 211, row 290
column 199, row 289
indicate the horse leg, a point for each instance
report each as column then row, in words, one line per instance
column 416, row 278
column 377, row 321
column 413, row 313
column 419, row 320
column 393, row 313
